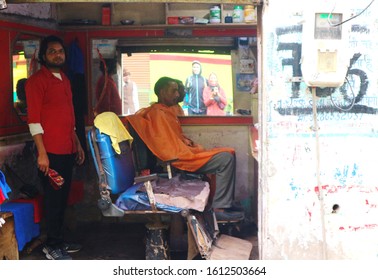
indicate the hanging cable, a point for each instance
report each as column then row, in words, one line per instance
column 340, row 23
column 353, row 99
column 105, row 83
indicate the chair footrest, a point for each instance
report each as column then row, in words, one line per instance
column 141, row 179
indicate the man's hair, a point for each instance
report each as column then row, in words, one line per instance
column 162, row 83
column 20, row 89
column 181, row 90
column 44, row 45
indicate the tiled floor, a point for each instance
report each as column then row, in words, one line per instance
column 119, row 240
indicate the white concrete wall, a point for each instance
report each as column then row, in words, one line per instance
column 34, row 10
column 303, row 174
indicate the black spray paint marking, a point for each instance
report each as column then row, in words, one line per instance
column 345, row 91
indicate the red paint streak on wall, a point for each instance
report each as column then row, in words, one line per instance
column 334, row 189
column 356, row 228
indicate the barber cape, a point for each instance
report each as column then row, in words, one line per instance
column 160, row 130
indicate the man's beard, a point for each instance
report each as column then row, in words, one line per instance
column 54, row 65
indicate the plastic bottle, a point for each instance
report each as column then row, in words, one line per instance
column 215, row 15
column 228, row 19
column 238, row 14
column 249, row 14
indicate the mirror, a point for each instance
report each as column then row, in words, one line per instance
column 24, row 64
column 139, row 63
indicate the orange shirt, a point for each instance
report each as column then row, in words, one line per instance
column 160, row 129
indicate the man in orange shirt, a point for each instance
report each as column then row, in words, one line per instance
column 160, row 129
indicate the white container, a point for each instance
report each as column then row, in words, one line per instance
column 215, row 15
column 249, row 14
column 238, row 14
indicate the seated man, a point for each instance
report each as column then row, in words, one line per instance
column 160, row 129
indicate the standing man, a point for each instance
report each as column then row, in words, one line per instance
column 51, row 122
column 194, row 86
column 130, row 94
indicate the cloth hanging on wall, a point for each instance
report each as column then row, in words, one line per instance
column 4, row 188
column 76, row 75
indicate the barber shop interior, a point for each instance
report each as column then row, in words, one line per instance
column 129, row 135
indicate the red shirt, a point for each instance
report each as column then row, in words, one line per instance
column 49, row 101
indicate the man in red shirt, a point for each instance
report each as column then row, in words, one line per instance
column 51, row 122
column 107, row 95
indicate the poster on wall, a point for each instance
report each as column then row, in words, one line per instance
column 247, row 66
column 244, row 82
column 31, row 48
column 106, row 47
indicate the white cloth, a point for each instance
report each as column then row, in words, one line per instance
column 35, row 128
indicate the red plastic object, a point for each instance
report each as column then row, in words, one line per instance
column 55, row 179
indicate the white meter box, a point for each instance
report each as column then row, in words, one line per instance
column 325, row 55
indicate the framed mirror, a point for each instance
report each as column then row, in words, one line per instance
column 24, row 63
column 139, row 63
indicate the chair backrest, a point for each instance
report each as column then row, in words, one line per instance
column 143, row 157
column 118, row 169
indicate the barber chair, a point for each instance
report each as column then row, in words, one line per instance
column 153, row 198
column 146, row 162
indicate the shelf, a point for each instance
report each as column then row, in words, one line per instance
column 159, row 26
column 216, row 120
column 241, row 2
column 70, row 15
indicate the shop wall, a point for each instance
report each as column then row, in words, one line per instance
column 305, row 171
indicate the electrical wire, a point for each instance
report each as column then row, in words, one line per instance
column 353, row 101
column 334, row 25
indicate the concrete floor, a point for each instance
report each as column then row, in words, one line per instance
column 105, row 238
column 116, row 240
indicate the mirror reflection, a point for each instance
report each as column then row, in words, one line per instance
column 193, row 70
column 24, row 64
column 217, row 75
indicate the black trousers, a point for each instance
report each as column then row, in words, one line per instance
column 55, row 201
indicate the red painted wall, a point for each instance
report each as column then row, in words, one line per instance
column 10, row 122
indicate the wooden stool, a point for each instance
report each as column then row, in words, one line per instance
column 157, row 242
column 8, row 241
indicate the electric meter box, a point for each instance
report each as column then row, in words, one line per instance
column 325, row 56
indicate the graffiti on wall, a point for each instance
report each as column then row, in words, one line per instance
column 349, row 97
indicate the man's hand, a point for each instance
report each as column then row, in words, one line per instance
column 43, row 163
column 188, row 142
column 80, row 155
